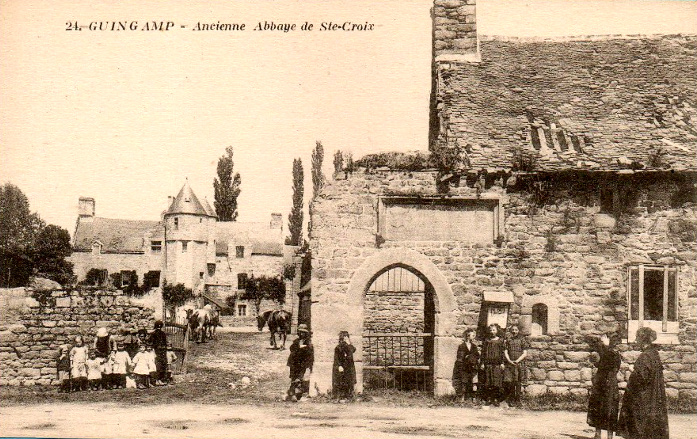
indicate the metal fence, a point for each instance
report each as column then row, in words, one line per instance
column 400, row 361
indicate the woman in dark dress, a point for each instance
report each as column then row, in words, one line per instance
column 344, row 371
column 492, row 366
column 603, row 404
column 644, row 412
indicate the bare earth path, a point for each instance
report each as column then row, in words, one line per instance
column 309, row 420
column 233, row 390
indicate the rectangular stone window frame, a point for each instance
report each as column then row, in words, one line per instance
column 156, row 246
column 239, row 251
column 185, row 246
column 668, row 326
column 385, row 201
column 242, row 310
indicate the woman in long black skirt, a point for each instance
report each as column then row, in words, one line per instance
column 344, row 371
column 603, row 404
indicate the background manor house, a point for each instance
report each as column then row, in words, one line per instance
column 559, row 196
column 188, row 246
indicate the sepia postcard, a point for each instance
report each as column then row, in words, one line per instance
column 339, row 219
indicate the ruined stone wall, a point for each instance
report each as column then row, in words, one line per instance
column 31, row 334
column 564, row 254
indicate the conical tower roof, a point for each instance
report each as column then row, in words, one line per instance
column 187, row 202
column 209, row 209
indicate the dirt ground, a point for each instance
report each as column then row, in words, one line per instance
column 234, row 388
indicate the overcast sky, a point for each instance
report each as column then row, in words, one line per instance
column 126, row 117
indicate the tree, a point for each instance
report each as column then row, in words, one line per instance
column 338, row 161
column 317, row 176
column 19, row 228
column 226, row 188
column 295, row 218
column 176, row 295
column 264, row 287
column 50, row 249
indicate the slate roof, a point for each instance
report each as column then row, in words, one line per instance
column 262, row 240
column 186, row 201
column 599, row 104
column 115, row 235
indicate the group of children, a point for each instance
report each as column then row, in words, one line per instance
column 108, row 365
column 499, row 367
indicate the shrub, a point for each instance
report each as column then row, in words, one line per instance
column 176, row 295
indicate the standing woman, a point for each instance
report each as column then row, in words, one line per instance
column 492, row 366
column 604, row 401
column 644, row 412
column 344, row 371
column 300, row 362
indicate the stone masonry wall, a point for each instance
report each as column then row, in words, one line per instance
column 30, row 337
column 564, row 254
column 455, row 28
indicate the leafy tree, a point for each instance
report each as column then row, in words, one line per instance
column 50, row 249
column 19, row 228
column 176, row 295
column 265, row 287
column 226, row 188
column 317, row 176
column 295, row 218
column 338, row 161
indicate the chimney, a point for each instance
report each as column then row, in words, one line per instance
column 276, row 221
column 170, row 200
column 455, row 41
column 455, row 31
column 86, row 208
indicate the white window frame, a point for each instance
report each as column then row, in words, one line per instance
column 666, row 330
column 242, row 307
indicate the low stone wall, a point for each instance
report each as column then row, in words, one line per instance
column 38, row 324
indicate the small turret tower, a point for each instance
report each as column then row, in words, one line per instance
column 189, row 228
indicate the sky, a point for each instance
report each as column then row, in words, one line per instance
column 127, row 117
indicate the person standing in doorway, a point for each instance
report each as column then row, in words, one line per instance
column 644, row 413
column 604, row 400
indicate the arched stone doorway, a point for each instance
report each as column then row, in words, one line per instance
column 444, row 339
column 398, row 323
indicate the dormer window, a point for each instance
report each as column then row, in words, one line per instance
column 96, row 248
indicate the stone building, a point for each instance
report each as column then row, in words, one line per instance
column 559, row 194
column 188, row 245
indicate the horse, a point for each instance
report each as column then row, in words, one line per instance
column 199, row 320
column 279, row 323
column 213, row 320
